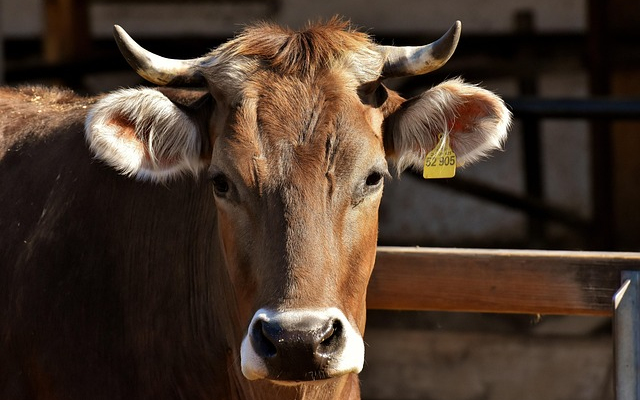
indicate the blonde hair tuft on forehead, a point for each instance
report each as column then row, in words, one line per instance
column 318, row 46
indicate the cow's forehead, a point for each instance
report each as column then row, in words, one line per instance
column 304, row 111
column 293, row 100
column 286, row 128
column 334, row 47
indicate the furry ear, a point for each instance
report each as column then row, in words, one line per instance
column 144, row 134
column 475, row 119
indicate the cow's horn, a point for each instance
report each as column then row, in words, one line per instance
column 157, row 69
column 418, row 60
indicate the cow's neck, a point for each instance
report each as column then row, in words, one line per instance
column 344, row 388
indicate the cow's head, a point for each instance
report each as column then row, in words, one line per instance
column 295, row 132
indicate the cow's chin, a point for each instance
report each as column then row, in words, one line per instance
column 318, row 381
column 310, row 377
column 302, row 346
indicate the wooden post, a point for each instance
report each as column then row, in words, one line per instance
column 66, row 35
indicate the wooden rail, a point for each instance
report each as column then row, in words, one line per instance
column 498, row 281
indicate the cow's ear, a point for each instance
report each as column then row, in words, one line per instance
column 475, row 119
column 148, row 135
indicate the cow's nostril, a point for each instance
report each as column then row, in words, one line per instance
column 332, row 334
column 264, row 339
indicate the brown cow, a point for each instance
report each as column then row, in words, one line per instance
column 251, row 286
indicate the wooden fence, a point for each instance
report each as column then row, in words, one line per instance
column 520, row 281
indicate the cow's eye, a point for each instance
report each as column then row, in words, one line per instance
column 371, row 185
column 374, row 179
column 220, row 184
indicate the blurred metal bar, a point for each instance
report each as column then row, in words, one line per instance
column 595, row 108
column 600, row 48
column 533, row 168
column 532, row 140
column 626, row 331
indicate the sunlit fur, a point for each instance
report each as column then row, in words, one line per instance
column 141, row 133
column 332, row 46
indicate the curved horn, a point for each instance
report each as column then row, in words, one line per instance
column 418, row 60
column 157, row 69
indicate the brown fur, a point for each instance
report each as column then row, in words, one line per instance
column 21, row 108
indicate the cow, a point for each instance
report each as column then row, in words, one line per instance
column 212, row 237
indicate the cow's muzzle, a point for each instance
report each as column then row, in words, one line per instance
column 301, row 345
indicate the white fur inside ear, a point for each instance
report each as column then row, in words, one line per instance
column 141, row 133
column 485, row 122
column 489, row 130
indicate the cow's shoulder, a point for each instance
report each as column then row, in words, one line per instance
column 33, row 113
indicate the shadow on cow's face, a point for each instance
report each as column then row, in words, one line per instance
column 297, row 172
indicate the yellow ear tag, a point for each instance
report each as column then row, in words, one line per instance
column 441, row 161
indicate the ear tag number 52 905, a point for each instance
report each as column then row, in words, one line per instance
column 441, row 161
